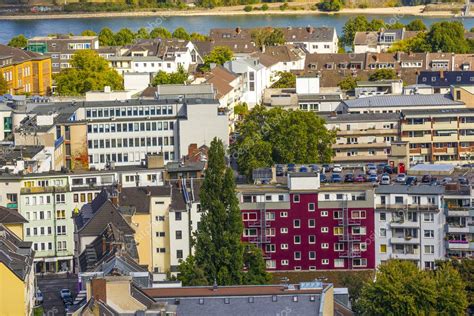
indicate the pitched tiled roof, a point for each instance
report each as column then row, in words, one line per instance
column 221, row 78
column 9, row 216
column 19, row 55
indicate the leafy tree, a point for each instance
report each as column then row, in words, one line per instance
column 465, row 267
column 19, row 41
column 400, row 288
column 160, row 32
column 142, row 33
column 416, row 44
column 274, row 136
column 3, row 85
column 383, row 74
column 268, row 37
column 241, row 109
column 198, row 37
column 376, row 25
column 287, row 80
column 88, row 33
column 448, row 36
column 416, row 25
column 256, row 268
column 124, row 37
column 89, row 72
column 276, row 37
column 178, row 77
column 353, row 25
column 330, row 5
column 181, row 33
column 248, row 8
column 106, row 37
column 348, row 83
column 191, row 274
column 219, row 251
column 218, row 55
column 395, row 26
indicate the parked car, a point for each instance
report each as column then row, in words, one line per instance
column 446, row 180
column 385, row 180
column 388, row 169
column 65, row 293
column 323, row 178
column 401, row 178
column 303, row 169
column 349, row 177
column 373, row 178
column 371, row 168
column 336, row 178
column 291, row 167
column 280, row 170
column 426, row 178
column 337, row 168
column 360, row 178
column 411, row 181
column 39, row 298
column 326, row 167
column 315, row 168
column 463, row 181
column 381, row 167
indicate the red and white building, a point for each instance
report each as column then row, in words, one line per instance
column 305, row 226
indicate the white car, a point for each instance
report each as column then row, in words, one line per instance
column 39, row 297
column 385, row 179
column 337, row 168
column 65, row 293
column 401, row 178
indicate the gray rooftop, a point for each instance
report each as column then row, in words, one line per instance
column 403, row 100
column 423, row 189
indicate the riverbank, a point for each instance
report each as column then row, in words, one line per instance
column 239, row 10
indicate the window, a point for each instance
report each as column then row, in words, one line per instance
column 61, row 230
column 338, row 247
column 270, row 216
column 284, row 230
column 297, row 239
column 338, row 263
column 429, row 265
column 311, row 223
column 296, row 198
column 358, row 214
column 337, row 215
column 250, row 232
column 399, row 200
column 296, row 223
column 428, row 217
column 359, row 262
column 284, row 262
column 338, row 231
column 312, row 255
column 270, row 248
column 324, row 213
column 383, row 232
column 311, row 207
column 383, row 248
column 284, row 246
column 325, row 245
column 428, row 233
column 60, row 214
column 179, row 234
column 312, row 239
column 179, row 254
column 177, row 216
column 160, row 250
column 325, row 261
column 271, row 264
column 249, row 216
column 283, row 214
column 324, row 229
column 60, row 198
column 297, row 255
column 429, row 249
column 359, row 230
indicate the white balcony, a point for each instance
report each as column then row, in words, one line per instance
column 405, row 240
column 458, row 229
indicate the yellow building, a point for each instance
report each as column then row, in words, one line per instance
column 25, row 72
column 17, row 280
column 12, row 220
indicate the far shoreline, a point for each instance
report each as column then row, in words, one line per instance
column 234, row 11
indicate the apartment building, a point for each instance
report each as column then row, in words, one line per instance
column 320, row 40
column 459, row 211
column 115, row 130
column 409, row 224
column 439, row 135
column 17, row 277
column 60, row 48
column 305, row 226
column 362, row 138
column 380, row 41
column 25, row 71
column 44, row 203
column 152, row 56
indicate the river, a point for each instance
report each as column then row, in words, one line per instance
column 201, row 24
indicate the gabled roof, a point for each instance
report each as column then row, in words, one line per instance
column 220, row 78
column 10, row 216
column 180, row 195
column 19, row 55
column 446, row 78
column 16, row 254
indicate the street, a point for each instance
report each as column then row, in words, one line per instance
column 50, row 285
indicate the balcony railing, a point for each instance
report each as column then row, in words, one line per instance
column 48, row 189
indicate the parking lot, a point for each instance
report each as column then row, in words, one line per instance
column 50, row 285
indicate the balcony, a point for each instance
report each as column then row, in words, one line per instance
column 458, row 229
column 349, row 238
column 411, row 207
column 459, row 244
column 448, row 138
column 282, row 205
column 349, row 254
column 361, row 145
column 49, row 189
column 416, row 127
column 416, row 140
column 404, row 224
column 445, row 125
column 469, row 125
column 413, row 255
column 262, row 240
column 405, row 240
column 466, row 138
column 458, row 211
column 364, row 132
column 256, row 224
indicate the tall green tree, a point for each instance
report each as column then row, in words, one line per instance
column 88, row 33
column 415, row 44
column 180, row 33
column 383, row 74
column 451, row 295
column 124, row 37
column 274, row 136
column 3, row 85
column 416, row 25
column 448, row 36
column 255, row 265
column 142, row 33
column 160, row 32
column 219, row 251
column 89, row 72
column 465, row 268
column 178, row 77
column 353, row 25
column 286, row 80
column 330, row 5
column 106, row 37
column 19, row 41
column 218, row 55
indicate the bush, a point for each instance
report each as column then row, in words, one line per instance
column 330, row 5
column 264, row 7
column 248, row 8
column 284, row 6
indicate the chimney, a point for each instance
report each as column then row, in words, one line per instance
column 214, row 286
column 99, row 289
column 309, row 29
column 192, row 149
column 148, row 191
column 441, row 74
column 237, row 30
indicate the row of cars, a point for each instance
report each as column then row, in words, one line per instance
column 65, row 294
column 369, row 169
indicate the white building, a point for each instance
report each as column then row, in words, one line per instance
column 409, row 224
column 379, row 41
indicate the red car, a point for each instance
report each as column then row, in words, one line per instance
column 360, row 178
